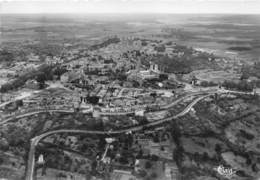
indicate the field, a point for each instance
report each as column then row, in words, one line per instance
column 234, row 36
column 213, row 76
column 90, row 28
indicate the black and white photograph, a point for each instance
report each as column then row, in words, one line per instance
column 129, row 89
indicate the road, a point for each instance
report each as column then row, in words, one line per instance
column 33, row 113
column 32, row 93
column 37, row 111
column 197, row 92
column 20, row 97
column 35, row 140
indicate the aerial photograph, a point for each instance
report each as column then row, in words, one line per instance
column 130, row 90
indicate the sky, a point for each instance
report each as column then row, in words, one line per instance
column 131, row 6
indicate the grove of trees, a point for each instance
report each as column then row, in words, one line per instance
column 242, row 85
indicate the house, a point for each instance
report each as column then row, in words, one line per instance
column 69, row 77
column 122, row 175
column 33, row 58
column 32, row 84
column 86, row 108
column 252, row 79
column 194, row 80
column 139, row 112
column 152, row 116
column 148, row 74
column 156, row 68
column 64, row 77
column 100, row 68
column 171, row 171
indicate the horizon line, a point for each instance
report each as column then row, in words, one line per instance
column 133, row 13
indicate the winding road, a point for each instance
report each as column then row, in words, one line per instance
column 37, row 111
column 33, row 113
column 36, row 140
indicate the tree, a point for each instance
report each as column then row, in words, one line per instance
column 93, row 99
column 205, row 156
column 153, row 94
column 123, row 160
column 1, row 160
column 121, row 76
column 43, row 73
column 142, row 173
column 140, row 154
column 16, row 136
column 88, row 175
column 218, row 148
column 160, row 48
column 144, row 43
column 156, row 138
column 19, row 102
column 142, row 120
column 6, row 55
column 207, row 84
column 178, row 155
column 4, row 144
column 172, row 64
column 175, row 132
column 244, row 76
column 163, row 77
column 169, row 43
column 196, row 156
column 59, row 71
column 148, row 165
column 216, row 98
column 154, row 158
column 255, row 168
column 154, row 175
column 242, row 85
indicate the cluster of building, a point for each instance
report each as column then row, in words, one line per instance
column 141, row 152
column 110, row 83
column 122, row 157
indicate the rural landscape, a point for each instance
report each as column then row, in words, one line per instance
column 129, row 97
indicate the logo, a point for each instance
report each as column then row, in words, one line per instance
column 226, row 172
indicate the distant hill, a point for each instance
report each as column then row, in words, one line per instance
column 186, row 63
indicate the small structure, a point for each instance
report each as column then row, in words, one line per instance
column 96, row 113
column 41, row 159
column 171, row 171
column 33, row 58
column 148, row 74
column 86, row 108
column 69, row 77
column 122, row 175
column 156, row 68
column 32, row 84
column 194, row 80
column 139, row 112
column 110, row 140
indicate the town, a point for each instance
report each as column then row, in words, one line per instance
column 127, row 107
